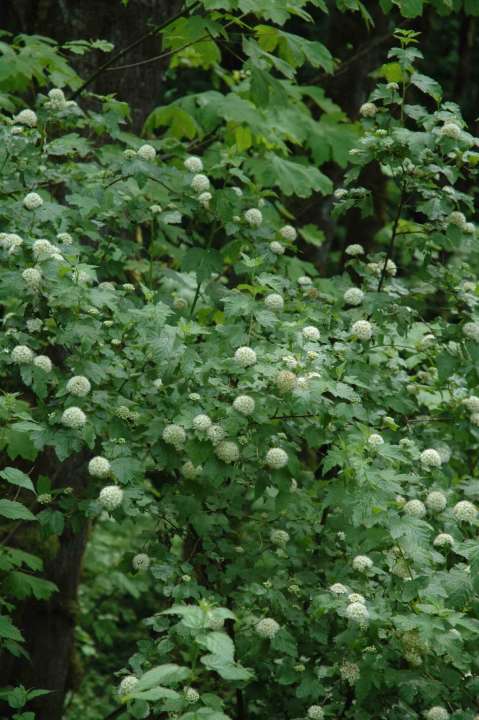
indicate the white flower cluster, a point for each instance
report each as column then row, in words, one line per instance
column 436, row 501
column 11, row 242
column 245, row 356
column 43, row 362
column 253, row 217
column 450, row 130
column 99, row 467
column 78, row 385
column 276, row 458
column 74, row 418
column 193, row 164
column 354, row 250
column 315, row 712
column 190, row 471
column 191, row 695
column 415, row 508
column 26, row 117
column 362, row 330
column 146, row 152
column 430, row 458
column 216, row 433
column 358, row 613
column 274, row 302
column 443, row 539
column 244, row 404
column 127, row 685
column 111, row 497
column 368, row 110
column 285, row 381
column 32, row 201
column 267, row 628
column 288, row 232
column 202, row 423
column 471, row 330
column 174, row 435
column 227, row 451
column 436, row 713
column 200, row 183
column 349, row 671
column 141, row 562
column 353, row 296
column 32, row 277
column 362, row 563
column 311, row 333
column 276, row 248
column 279, row 537
column 43, row 250
column 375, row 440
column 22, row 355
column 464, row 511
column 338, row 589
column 356, row 597
column 56, row 99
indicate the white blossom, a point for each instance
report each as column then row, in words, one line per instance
column 157, row 383
column 128, row 683
column 288, row 232
column 356, row 597
column 244, row 404
column 305, row 281
column 362, row 329
column 245, row 356
column 204, row 199
column 311, row 333
column 193, row 164
column 457, row 218
column 472, row 403
column 237, row 191
column 450, row 130
column 353, row 296
column 349, row 671
column 430, row 458
column 436, row 501
column 34, row 325
column 368, row 109
column 147, row 152
column 354, row 250
column 78, row 385
column 141, row 562
column 202, row 423
column 416, row 508
column 358, row 613
column 274, row 302
column 73, row 417
column 471, row 330
column 443, row 539
column 200, row 183
column 43, row 249
column 227, row 451
column 474, row 418
column 338, row 589
column 191, row 695
column 174, row 435
column 464, row 511
column 315, row 712
column 32, row 277
column 276, row 248
column 279, row 537
column 65, row 238
column 340, row 193
column 43, row 362
column 375, row 439
column 57, row 99
column 286, row 381
column 22, row 355
column 27, row 117
column 276, row 458
column 267, row 628
column 190, row 471
column 111, row 497
column 362, row 563
column 10, row 242
column 32, row 201
column 216, row 433
column 253, row 217
column 436, row 713
column 99, row 467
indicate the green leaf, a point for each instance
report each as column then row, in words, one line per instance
column 162, row 674
column 219, row 643
column 23, row 586
column 427, row 85
column 293, row 178
column 14, row 510
column 8, row 629
column 17, row 477
column 156, row 693
column 411, row 8
column 180, row 124
column 227, row 670
column 203, row 262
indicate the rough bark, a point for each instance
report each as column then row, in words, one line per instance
column 110, row 20
column 48, row 626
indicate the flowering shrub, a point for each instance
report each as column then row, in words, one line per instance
column 300, row 448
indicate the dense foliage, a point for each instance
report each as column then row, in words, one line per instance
column 276, row 467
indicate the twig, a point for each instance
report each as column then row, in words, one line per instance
column 131, row 46
column 393, row 235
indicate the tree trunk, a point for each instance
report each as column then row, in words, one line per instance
column 66, row 20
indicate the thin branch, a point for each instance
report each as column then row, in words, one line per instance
column 393, row 234
column 151, row 33
column 162, row 55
